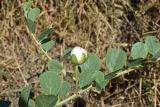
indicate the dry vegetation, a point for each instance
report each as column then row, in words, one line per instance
column 92, row 24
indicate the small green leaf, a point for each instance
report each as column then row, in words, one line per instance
column 26, row 6
column 136, row 62
column 89, row 70
column 86, row 78
column 100, row 81
column 112, row 75
column 66, row 53
column 45, row 34
column 50, row 83
column 152, row 44
column 31, row 25
column 139, row 50
column 46, row 100
column 55, row 66
column 24, row 97
column 47, row 45
column 65, row 88
column 115, row 59
column 92, row 63
column 33, row 14
column 31, row 103
column 156, row 54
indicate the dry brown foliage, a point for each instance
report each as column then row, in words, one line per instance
column 92, row 24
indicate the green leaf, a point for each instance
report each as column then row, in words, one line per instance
column 115, row 59
column 47, row 45
column 46, row 100
column 152, row 44
column 101, row 82
column 26, row 6
column 50, row 83
column 139, row 50
column 33, row 14
column 156, row 54
column 89, row 70
column 55, row 66
column 136, row 63
column 31, row 103
column 66, row 53
column 112, row 75
column 45, row 34
column 24, row 97
column 65, row 88
column 31, row 25
column 86, row 78
column 92, row 63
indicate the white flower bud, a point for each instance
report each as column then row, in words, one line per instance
column 78, row 55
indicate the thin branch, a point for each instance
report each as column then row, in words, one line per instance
column 74, row 96
column 155, row 91
column 19, row 68
column 39, row 44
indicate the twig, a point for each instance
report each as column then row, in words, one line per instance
column 155, row 91
column 132, row 27
column 11, row 91
column 18, row 66
column 119, row 105
column 140, row 90
column 102, row 99
column 25, row 81
column 72, row 97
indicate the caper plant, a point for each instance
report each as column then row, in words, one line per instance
column 54, row 88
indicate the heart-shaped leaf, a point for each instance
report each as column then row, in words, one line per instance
column 46, row 100
column 156, row 54
column 31, row 25
column 45, row 34
column 115, row 59
column 139, row 50
column 33, row 14
column 89, row 70
column 55, row 66
column 100, row 81
column 50, row 83
column 92, row 63
column 152, row 44
column 26, row 6
column 87, row 77
column 65, row 88
column 31, row 103
column 47, row 44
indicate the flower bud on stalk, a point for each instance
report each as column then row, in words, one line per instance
column 78, row 55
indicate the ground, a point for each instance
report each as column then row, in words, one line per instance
column 92, row 24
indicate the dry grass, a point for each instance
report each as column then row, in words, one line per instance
column 92, row 24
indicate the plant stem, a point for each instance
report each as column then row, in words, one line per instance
column 77, row 79
column 109, row 77
column 73, row 97
column 115, row 74
column 39, row 44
